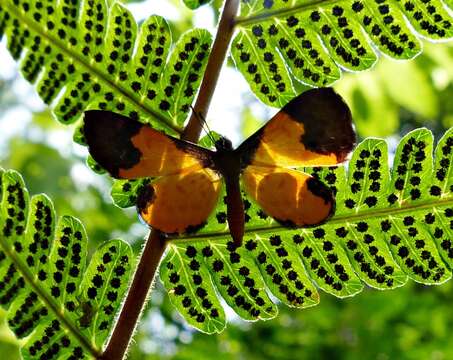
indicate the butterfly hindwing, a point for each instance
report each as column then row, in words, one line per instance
column 313, row 129
column 180, row 203
column 292, row 197
column 128, row 149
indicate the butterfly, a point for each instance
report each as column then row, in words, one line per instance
column 313, row 129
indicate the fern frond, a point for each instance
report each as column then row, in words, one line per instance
column 83, row 54
column 389, row 226
column 281, row 43
column 65, row 308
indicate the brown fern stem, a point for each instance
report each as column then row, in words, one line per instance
column 155, row 245
column 217, row 57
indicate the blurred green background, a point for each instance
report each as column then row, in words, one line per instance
column 413, row 322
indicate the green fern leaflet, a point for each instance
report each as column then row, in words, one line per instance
column 65, row 308
column 281, row 43
column 389, row 225
column 84, row 55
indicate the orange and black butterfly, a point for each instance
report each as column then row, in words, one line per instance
column 313, row 129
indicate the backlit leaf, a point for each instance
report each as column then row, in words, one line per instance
column 63, row 306
column 280, row 43
column 390, row 225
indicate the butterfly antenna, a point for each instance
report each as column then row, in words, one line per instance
column 203, row 123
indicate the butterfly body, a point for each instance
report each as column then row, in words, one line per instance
column 314, row 129
column 228, row 163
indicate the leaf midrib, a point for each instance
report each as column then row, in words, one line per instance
column 253, row 48
column 244, row 291
column 192, row 288
column 246, row 20
column 178, row 98
column 341, row 219
column 60, row 45
column 361, row 245
column 43, row 296
column 281, row 271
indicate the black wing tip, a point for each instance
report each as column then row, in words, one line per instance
column 327, row 120
column 108, row 136
column 327, row 91
column 101, row 119
column 91, row 118
column 323, row 93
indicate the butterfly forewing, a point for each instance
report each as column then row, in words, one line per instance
column 313, row 129
column 128, row 149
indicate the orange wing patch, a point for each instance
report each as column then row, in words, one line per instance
column 128, row 149
column 292, row 197
column 180, row 203
column 281, row 145
column 313, row 129
column 161, row 155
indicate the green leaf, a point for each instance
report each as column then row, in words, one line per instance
column 389, row 225
column 417, row 95
column 183, row 74
column 208, row 141
column 124, row 192
column 61, row 307
column 82, row 57
column 191, row 290
column 280, row 43
column 237, row 279
column 195, row 4
column 286, row 279
column 265, row 72
column 101, row 291
column 93, row 165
